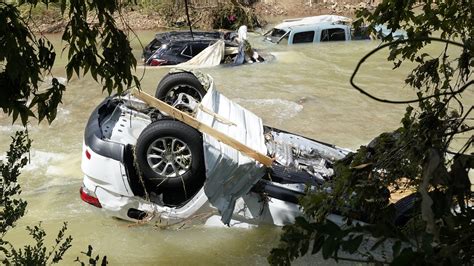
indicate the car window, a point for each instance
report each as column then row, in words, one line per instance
column 193, row 49
column 336, row 34
column 198, row 47
column 303, row 37
column 277, row 36
column 278, row 33
column 360, row 33
column 284, row 40
column 187, row 51
column 174, row 49
column 155, row 45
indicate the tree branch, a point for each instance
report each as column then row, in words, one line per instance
column 361, row 61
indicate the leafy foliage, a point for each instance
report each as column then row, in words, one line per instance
column 94, row 44
column 435, row 224
column 12, row 208
column 23, row 60
column 91, row 260
column 38, row 254
column 99, row 47
column 233, row 15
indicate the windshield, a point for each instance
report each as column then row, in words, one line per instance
column 278, row 33
column 275, row 35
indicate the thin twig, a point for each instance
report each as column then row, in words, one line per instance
column 361, row 61
column 189, row 20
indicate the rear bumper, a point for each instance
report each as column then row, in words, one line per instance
column 114, row 204
column 126, row 207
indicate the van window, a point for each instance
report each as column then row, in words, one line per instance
column 360, row 33
column 277, row 33
column 336, row 34
column 277, row 36
column 303, row 37
column 284, row 40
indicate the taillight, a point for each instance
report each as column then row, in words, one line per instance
column 88, row 155
column 89, row 197
column 157, row 62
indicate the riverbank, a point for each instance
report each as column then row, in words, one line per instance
column 261, row 13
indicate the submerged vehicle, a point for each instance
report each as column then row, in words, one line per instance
column 183, row 47
column 139, row 162
column 164, row 38
column 197, row 152
column 323, row 28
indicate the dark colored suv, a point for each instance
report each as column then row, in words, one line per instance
column 171, row 48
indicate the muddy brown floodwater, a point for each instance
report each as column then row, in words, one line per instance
column 305, row 89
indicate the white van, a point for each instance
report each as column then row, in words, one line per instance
column 323, row 28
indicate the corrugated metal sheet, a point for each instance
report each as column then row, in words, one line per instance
column 230, row 174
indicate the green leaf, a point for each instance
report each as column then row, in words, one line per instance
column 378, row 243
column 318, row 243
column 406, row 257
column 396, row 248
column 329, row 247
column 15, row 115
column 63, row 6
column 353, row 244
column 69, row 72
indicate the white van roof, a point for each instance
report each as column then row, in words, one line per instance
column 307, row 21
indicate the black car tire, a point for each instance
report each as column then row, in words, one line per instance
column 174, row 83
column 153, row 138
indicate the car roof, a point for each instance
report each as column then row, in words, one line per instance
column 311, row 22
column 180, row 42
column 186, row 35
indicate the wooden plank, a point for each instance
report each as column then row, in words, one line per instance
column 193, row 122
column 218, row 117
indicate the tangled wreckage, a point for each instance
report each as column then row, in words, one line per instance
column 194, row 151
column 190, row 150
column 200, row 49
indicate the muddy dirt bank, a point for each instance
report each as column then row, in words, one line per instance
column 204, row 17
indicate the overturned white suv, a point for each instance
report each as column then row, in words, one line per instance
column 141, row 162
column 190, row 151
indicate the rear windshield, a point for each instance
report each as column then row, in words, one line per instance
column 171, row 49
column 193, row 49
column 154, row 45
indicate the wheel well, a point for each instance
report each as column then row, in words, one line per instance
column 132, row 174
